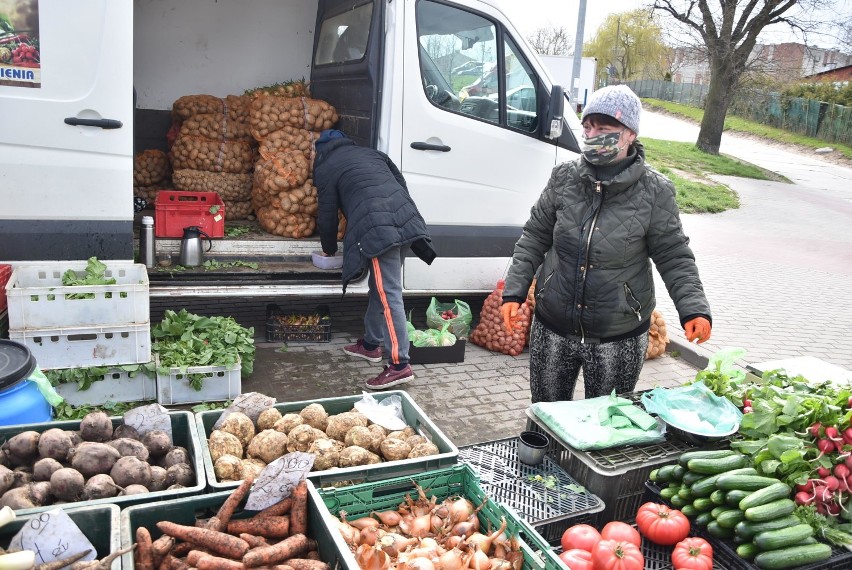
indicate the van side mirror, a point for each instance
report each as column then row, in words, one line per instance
column 554, row 113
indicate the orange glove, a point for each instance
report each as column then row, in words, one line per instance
column 697, row 329
column 509, row 310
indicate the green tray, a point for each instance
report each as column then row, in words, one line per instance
column 414, row 416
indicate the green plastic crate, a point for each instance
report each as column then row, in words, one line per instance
column 414, row 417
column 186, row 510
column 184, row 434
column 100, row 524
column 460, row 480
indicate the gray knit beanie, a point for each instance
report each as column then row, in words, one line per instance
column 617, row 101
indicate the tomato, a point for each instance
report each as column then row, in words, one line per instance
column 617, row 555
column 620, row 531
column 577, row 559
column 662, row 525
column 693, row 554
column 581, row 536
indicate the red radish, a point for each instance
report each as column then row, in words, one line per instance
column 841, row 471
column 746, row 403
column 824, row 446
column 807, row 486
column 849, row 482
column 822, row 494
column 832, row 483
column 847, row 435
column 833, row 509
column 849, row 402
column 832, row 433
column 747, row 410
column 823, row 472
column 814, row 429
column 804, row 498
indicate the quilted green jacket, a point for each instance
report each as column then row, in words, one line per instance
column 591, row 243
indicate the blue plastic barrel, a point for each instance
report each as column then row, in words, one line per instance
column 21, row 401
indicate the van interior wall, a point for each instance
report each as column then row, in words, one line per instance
column 347, row 314
column 150, row 128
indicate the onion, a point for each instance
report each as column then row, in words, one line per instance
column 419, row 526
column 453, row 541
column 479, row 560
column 483, row 542
column 370, row 558
column 465, row 528
column 364, row 522
column 369, row 535
column 389, row 518
column 351, row 535
column 420, row 563
column 460, row 510
column 394, row 543
column 452, row 559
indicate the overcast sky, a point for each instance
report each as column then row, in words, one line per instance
column 528, row 15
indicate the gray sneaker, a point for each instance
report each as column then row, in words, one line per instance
column 390, row 377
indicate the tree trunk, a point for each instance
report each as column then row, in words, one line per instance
column 716, row 105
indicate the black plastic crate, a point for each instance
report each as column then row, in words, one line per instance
column 544, row 495
column 616, row 475
column 278, row 330
column 436, row 354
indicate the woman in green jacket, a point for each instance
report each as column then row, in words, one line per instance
column 590, row 240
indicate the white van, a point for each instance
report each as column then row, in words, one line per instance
column 110, row 70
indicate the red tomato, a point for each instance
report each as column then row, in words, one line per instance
column 577, row 559
column 662, row 525
column 617, row 555
column 581, row 536
column 620, row 531
column 693, row 554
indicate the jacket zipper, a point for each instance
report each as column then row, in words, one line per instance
column 586, row 259
column 543, row 285
column 629, row 294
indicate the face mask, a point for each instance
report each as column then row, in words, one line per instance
column 601, row 149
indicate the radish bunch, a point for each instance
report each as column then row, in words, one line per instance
column 831, row 490
column 25, row 55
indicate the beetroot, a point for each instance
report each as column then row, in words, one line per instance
column 67, row 484
column 96, row 426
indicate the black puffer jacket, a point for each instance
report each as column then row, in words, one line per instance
column 591, row 243
column 369, row 189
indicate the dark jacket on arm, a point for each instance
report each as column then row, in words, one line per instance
column 370, row 191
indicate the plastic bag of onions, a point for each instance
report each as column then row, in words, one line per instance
column 228, row 185
column 658, row 338
column 268, row 114
column 213, row 156
column 491, row 333
column 150, row 167
column 290, row 138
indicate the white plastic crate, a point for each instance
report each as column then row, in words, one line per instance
column 87, row 346
column 116, row 386
column 38, row 299
column 218, row 383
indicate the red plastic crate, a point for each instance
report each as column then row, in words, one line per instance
column 175, row 210
column 5, row 274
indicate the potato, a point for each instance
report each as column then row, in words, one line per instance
column 223, row 443
column 239, row 210
column 354, row 456
column 424, row 450
column 268, row 418
column 327, row 453
column 67, row 484
column 96, row 426
column 198, row 153
column 215, row 126
column 93, row 458
column 315, row 416
column 239, row 425
column 100, row 487
column 55, row 444
column 43, row 469
column 394, row 449
column 126, row 446
column 267, row 446
column 150, row 167
column 360, row 436
column 288, row 422
column 340, row 424
column 228, row 468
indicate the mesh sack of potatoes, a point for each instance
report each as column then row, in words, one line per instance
column 296, row 88
column 228, row 185
column 198, row 153
column 238, row 210
column 149, row 193
column 215, row 126
column 658, row 338
column 268, row 114
column 290, row 138
column 282, row 224
column 150, row 167
column 301, row 200
column 284, row 171
column 491, row 332
column 237, row 107
column 189, row 105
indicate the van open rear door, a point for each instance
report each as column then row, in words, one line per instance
column 66, row 142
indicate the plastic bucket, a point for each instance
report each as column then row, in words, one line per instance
column 21, row 401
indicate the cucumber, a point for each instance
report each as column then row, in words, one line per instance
column 678, row 472
column 703, row 504
column 705, row 486
column 705, row 454
column 718, row 510
column 689, row 510
column 668, row 492
column 653, row 476
column 677, row 502
column 748, row 529
column 719, row 465
column 664, row 474
column 728, row 482
column 766, row 495
column 775, row 539
column 733, row 498
column 685, row 493
column 691, row 478
column 793, row 556
column 717, row 531
column 747, row 551
column 730, row 517
column 703, row 519
column 774, row 510
column 717, row 496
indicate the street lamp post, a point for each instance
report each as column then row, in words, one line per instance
column 574, row 88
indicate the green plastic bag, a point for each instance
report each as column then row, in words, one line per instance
column 599, row 423
column 694, row 409
column 459, row 325
column 433, row 337
column 44, row 386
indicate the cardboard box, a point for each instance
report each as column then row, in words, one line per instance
column 436, row 354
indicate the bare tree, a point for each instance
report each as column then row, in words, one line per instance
column 729, row 31
column 551, row 40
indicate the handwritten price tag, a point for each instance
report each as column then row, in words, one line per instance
column 149, row 418
column 278, row 479
column 52, row 535
column 250, row 403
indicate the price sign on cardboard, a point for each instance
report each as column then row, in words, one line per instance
column 277, row 480
column 52, row 535
column 250, row 403
column 149, row 418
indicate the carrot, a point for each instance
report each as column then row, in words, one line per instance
column 226, row 511
column 281, row 567
column 290, row 547
column 144, row 553
column 278, row 509
column 216, row 563
column 193, row 556
column 299, row 509
column 313, row 555
column 102, row 564
column 268, row 527
column 218, row 542
column 165, row 563
column 307, row 564
column 62, row 562
column 162, row 546
column 176, row 563
column 184, row 548
column 254, row 541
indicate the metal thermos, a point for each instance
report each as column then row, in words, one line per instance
column 191, row 248
column 147, row 249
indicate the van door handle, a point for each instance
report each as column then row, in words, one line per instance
column 429, row 146
column 102, row 123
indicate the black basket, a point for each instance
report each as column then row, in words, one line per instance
column 544, row 495
column 279, row 331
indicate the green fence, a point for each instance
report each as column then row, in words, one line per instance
column 825, row 121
